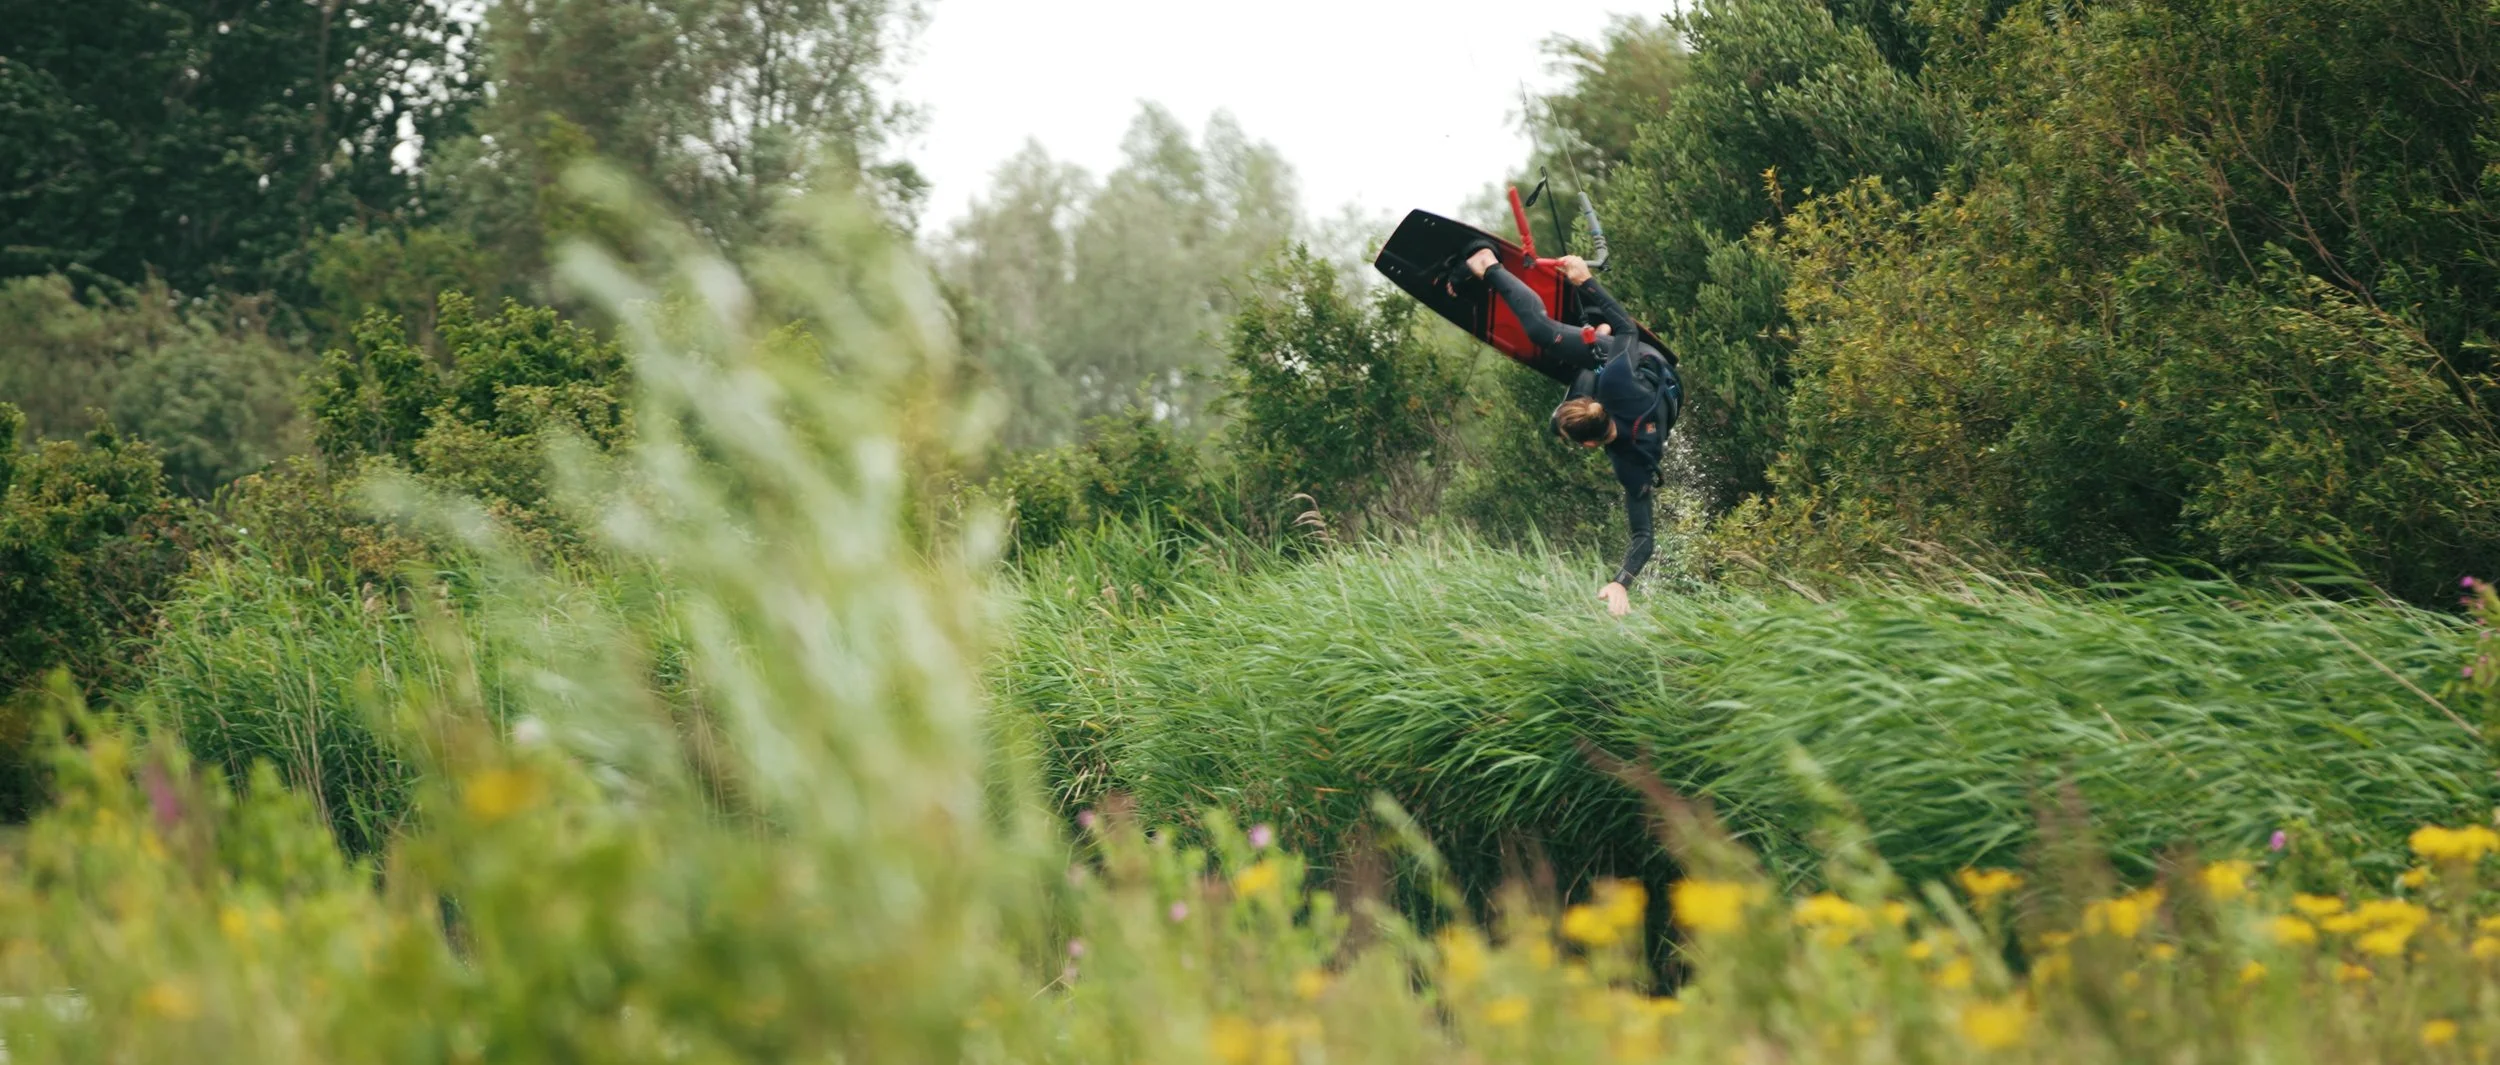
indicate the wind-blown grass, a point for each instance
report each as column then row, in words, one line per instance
column 1463, row 680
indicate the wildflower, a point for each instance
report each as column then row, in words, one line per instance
column 2278, row 841
column 1994, row 1025
column 1262, row 877
column 1178, row 912
column 2415, row 877
column 1232, row 1040
column 1921, row 950
column 2466, row 844
column 1624, row 902
column 1896, row 913
column 2226, row 881
column 1662, row 1006
column 1261, row 837
column 169, row 1000
column 1955, row 975
column 2252, row 972
column 1462, row 958
column 499, row 793
column 1076, row 948
column 2317, row 905
column 2488, row 926
column 1588, row 926
column 2123, row 916
column 1986, row 884
column 2344, row 924
column 2349, row 973
column 1085, row 819
column 2163, row 952
column 2056, row 940
column 234, row 923
column 2439, row 1032
column 1839, row 918
column 2293, row 930
column 2485, row 948
column 1708, row 905
column 1506, row 1010
column 2392, row 913
column 1309, row 984
column 2386, row 942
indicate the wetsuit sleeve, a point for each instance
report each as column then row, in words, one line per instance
column 1595, row 297
column 1551, row 337
column 1640, row 507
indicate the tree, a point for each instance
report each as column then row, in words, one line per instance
column 209, row 140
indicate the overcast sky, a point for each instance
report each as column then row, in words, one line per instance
column 1384, row 104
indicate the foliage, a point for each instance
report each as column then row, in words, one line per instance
column 204, row 142
column 203, row 381
column 1463, row 681
column 1127, row 466
column 847, row 860
column 1345, row 403
column 1115, row 295
column 1627, row 76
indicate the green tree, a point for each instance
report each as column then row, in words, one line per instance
column 209, row 141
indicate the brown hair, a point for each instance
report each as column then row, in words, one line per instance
column 1581, row 420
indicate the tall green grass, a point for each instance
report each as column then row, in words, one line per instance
column 1463, row 680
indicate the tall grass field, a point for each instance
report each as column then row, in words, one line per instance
column 817, row 783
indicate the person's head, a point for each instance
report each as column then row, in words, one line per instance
column 1581, row 421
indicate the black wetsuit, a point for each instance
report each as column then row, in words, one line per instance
column 1635, row 382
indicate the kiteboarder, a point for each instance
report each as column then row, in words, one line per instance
column 1625, row 397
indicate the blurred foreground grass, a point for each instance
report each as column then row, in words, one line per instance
column 818, row 849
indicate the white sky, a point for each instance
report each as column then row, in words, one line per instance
column 1384, row 104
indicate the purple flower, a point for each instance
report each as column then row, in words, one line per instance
column 1076, row 948
column 1085, row 819
column 1261, row 836
column 2279, row 841
column 2469, row 671
column 2466, row 583
column 1179, row 912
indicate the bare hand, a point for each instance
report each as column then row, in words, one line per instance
column 1575, row 269
column 1618, row 598
column 1482, row 260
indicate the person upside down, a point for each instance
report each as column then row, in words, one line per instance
column 1625, row 398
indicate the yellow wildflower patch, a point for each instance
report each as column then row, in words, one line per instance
column 2352, row 974
column 1462, row 958
column 2315, row 906
column 2438, row 1033
column 2226, row 881
column 1709, row 905
column 1985, row 884
column 2252, row 972
column 496, row 794
column 1310, row 984
column 1506, row 1011
column 2123, row 916
column 2385, row 942
column 1262, row 877
column 2292, row 930
column 1232, row 1040
column 169, row 1000
column 1955, row 975
column 1995, row 1025
column 2486, row 948
column 2467, row 844
column 2415, row 878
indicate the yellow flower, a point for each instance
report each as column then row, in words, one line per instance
column 236, row 924
column 2489, row 926
column 2439, row 1032
column 2252, row 972
column 2056, row 940
column 2454, row 844
column 2163, row 952
column 2486, row 948
column 2290, row 929
column 496, row 794
column 2415, row 877
column 1662, row 1006
column 2226, row 881
column 2386, row 942
column 1588, row 926
column 2350, row 973
column 1986, row 884
column 1462, row 957
column 1262, row 877
column 1921, row 950
column 2318, row 905
column 1955, row 975
column 1896, row 913
column 2392, row 913
column 1708, row 905
column 1310, row 984
column 2344, row 924
column 1994, row 1025
column 2123, row 916
column 1506, row 1010
column 1839, row 918
column 1624, row 902
column 169, row 1000
column 1232, row 1040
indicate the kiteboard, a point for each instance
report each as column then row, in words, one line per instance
column 1427, row 258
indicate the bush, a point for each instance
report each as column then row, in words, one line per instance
column 1342, row 402
column 1125, row 466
